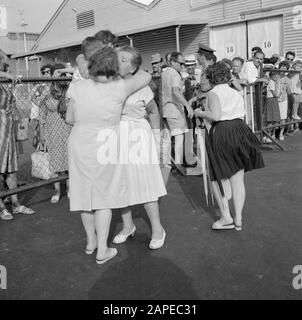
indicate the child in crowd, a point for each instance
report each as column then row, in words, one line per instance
column 285, row 84
column 296, row 90
column 271, row 108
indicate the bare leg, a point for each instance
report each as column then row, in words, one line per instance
column 102, row 221
column 153, row 214
column 282, row 129
column 223, row 207
column 179, row 140
column 238, row 190
column 128, row 224
column 57, row 188
column 11, row 182
column 89, row 226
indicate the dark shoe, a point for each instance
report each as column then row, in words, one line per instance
column 187, row 165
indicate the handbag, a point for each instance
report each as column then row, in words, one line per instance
column 40, row 164
column 22, row 129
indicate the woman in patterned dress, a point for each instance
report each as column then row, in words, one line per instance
column 8, row 151
column 54, row 131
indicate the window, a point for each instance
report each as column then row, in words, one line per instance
column 145, row 4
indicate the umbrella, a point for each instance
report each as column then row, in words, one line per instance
column 202, row 161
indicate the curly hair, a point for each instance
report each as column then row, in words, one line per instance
column 218, row 73
column 104, row 62
column 284, row 64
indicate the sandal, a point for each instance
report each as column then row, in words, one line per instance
column 55, row 198
column 218, row 225
column 114, row 253
column 23, row 210
column 6, row 215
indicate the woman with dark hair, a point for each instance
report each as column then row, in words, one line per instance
column 233, row 144
column 97, row 176
column 144, row 179
column 54, row 132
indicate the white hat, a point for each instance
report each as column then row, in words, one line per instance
column 190, row 59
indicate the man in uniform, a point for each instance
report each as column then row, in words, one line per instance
column 206, row 57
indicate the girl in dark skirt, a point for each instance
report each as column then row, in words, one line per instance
column 233, row 149
column 271, row 107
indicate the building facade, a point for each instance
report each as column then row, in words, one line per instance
column 231, row 27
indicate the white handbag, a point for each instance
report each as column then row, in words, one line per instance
column 41, row 166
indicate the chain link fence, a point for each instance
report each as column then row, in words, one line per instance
column 36, row 107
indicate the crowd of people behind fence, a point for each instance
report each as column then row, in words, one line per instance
column 187, row 92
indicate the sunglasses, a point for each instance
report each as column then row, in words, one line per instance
column 46, row 72
column 181, row 63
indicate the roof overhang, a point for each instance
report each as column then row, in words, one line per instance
column 119, row 34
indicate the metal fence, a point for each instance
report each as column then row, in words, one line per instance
column 37, row 104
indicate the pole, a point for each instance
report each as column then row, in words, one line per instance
column 26, row 58
column 177, row 39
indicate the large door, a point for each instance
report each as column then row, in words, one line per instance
column 229, row 41
column 266, row 34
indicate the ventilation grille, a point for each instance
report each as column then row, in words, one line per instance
column 85, row 19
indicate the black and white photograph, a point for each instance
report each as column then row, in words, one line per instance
column 150, row 153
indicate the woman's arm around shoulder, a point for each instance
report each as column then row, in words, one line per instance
column 140, row 80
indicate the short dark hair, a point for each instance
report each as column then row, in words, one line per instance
column 273, row 73
column 174, row 56
column 106, row 37
column 46, row 66
column 238, row 59
column 104, row 62
column 208, row 55
column 284, row 64
column 228, row 62
column 256, row 49
column 259, row 52
column 90, row 45
column 218, row 73
column 136, row 60
column 292, row 53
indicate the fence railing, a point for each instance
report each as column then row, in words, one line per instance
column 32, row 103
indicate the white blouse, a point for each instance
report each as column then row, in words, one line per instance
column 231, row 102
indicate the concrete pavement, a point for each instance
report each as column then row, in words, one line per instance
column 44, row 254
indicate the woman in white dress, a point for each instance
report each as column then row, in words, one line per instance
column 145, row 183
column 96, row 175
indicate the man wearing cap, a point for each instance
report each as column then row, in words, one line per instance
column 174, row 103
column 190, row 83
column 206, row 57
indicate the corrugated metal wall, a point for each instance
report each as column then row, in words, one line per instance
column 164, row 40
column 231, row 12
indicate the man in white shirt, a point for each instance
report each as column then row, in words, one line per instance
column 251, row 72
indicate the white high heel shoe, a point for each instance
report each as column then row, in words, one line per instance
column 120, row 238
column 157, row 244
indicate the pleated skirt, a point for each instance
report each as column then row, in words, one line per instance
column 140, row 161
column 271, row 110
column 233, row 147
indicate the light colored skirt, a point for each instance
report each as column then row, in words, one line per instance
column 283, row 106
column 141, row 162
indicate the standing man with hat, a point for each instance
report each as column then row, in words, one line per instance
column 190, row 83
column 206, row 57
